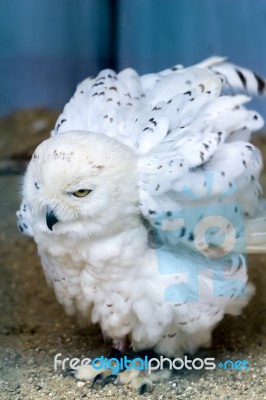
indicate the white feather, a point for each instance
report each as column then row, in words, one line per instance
column 144, row 148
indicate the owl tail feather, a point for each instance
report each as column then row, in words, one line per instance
column 240, row 78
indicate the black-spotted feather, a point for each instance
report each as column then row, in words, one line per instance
column 180, row 125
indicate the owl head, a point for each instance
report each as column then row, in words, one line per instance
column 80, row 184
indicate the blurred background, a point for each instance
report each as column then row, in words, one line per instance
column 48, row 46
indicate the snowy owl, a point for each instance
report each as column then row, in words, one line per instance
column 146, row 188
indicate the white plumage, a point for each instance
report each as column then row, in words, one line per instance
column 126, row 154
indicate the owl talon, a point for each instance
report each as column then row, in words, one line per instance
column 69, row 372
column 143, row 389
column 97, row 380
column 108, row 379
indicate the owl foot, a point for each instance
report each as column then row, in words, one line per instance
column 137, row 379
column 131, row 372
column 97, row 373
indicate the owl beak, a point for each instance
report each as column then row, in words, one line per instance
column 51, row 219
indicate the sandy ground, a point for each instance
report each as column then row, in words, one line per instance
column 33, row 328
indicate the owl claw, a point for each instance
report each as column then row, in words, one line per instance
column 69, row 372
column 110, row 378
column 143, row 389
column 97, row 380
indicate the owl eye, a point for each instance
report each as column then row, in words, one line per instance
column 81, row 192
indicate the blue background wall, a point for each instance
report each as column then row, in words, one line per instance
column 48, row 46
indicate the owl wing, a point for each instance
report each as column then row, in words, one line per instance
column 203, row 162
column 192, row 139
